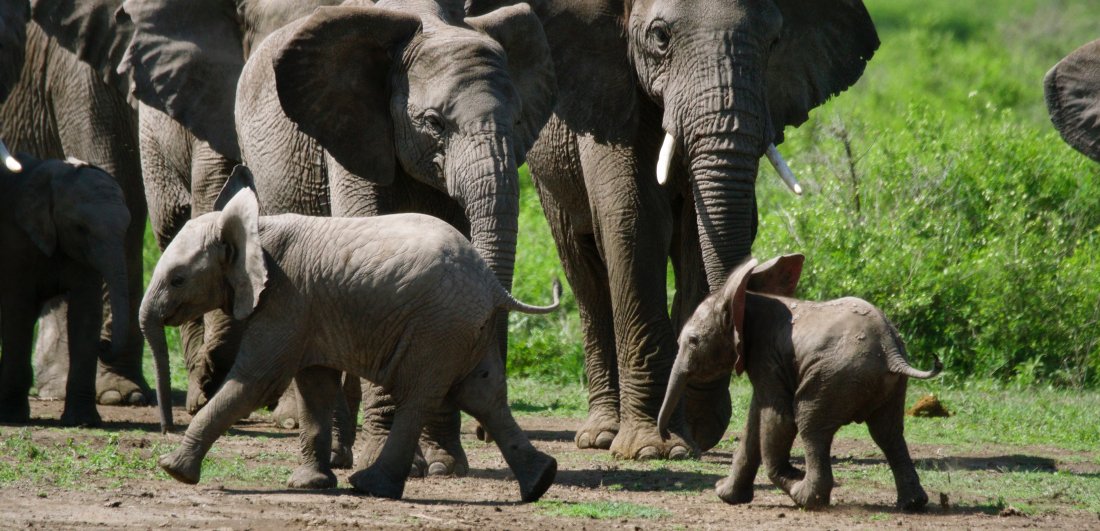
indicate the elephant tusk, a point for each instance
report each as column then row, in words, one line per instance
column 13, row 165
column 785, row 172
column 664, row 159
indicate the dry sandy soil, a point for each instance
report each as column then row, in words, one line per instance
column 658, row 495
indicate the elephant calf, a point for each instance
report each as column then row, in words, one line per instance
column 814, row 367
column 404, row 301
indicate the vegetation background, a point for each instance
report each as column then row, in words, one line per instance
column 936, row 188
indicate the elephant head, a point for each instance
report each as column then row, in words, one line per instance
column 712, row 341
column 1073, row 98
column 215, row 261
column 186, row 57
column 452, row 102
column 76, row 210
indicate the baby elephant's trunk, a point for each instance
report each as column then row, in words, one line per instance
column 153, row 327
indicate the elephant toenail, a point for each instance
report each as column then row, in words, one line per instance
column 110, row 398
column 288, row 423
column 438, row 469
column 648, row 453
column 678, row 453
column 583, row 441
column 137, row 398
column 603, row 440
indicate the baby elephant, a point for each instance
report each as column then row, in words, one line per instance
column 814, row 367
column 404, row 301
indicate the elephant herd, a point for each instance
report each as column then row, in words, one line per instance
column 335, row 190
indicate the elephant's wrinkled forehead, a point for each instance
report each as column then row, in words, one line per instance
column 463, row 75
column 195, row 236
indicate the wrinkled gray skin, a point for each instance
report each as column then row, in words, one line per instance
column 186, row 57
column 1072, row 89
column 65, row 100
column 380, row 297
column 405, row 106
column 814, row 367
column 63, row 228
column 724, row 79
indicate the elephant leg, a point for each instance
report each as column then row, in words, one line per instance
column 344, row 421
column 285, row 414
column 378, row 411
column 95, row 123
column 484, row 394
column 51, row 350
column 887, row 427
column 587, row 275
column 17, row 325
column 777, row 433
column 385, row 477
column 737, row 487
column 814, row 491
column 85, row 307
column 441, row 443
column 633, row 225
column 318, row 390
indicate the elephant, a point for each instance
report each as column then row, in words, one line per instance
column 185, row 58
column 1072, row 90
column 718, row 81
column 64, row 99
column 814, row 367
column 63, row 227
column 402, row 106
column 383, row 297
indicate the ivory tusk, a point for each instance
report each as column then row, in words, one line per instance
column 13, row 165
column 784, row 171
column 664, row 159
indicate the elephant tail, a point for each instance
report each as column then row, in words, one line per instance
column 511, row 303
column 896, row 362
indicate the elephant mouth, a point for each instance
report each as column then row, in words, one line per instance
column 669, row 149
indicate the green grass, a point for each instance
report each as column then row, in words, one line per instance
column 602, row 510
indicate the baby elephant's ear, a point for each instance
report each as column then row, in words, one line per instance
column 240, row 179
column 733, row 293
column 240, row 232
column 778, row 276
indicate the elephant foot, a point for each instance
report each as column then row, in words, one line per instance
column 311, row 476
column 372, row 447
column 599, row 430
column 115, row 389
column 374, row 482
column 180, row 467
column 642, row 442
column 730, row 492
column 341, row 457
column 82, row 415
column 447, row 459
column 15, row 411
column 536, row 476
column 809, row 496
column 913, row 501
column 707, row 412
column 285, row 414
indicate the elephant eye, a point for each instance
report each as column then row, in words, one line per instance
column 176, row 281
column 693, row 341
column 434, row 120
column 660, row 35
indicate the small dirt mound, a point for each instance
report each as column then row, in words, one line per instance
column 928, row 406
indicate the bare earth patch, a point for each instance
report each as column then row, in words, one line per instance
column 243, row 485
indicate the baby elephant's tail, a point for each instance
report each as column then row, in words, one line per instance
column 897, row 363
column 511, row 303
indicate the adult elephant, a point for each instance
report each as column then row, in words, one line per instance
column 67, row 100
column 402, row 106
column 186, row 57
column 718, row 81
column 1072, row 90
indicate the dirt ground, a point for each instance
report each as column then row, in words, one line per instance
column 658, row 495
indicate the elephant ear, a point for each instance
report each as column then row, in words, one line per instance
column 240, row 179
column 733, row 296
column 530, row 67
column 1073, row 98
column 13, row 43
column 88, row 28
column 34, row 210
column 185, row 58
column 332, row 78
column 240, row 233
column 778, row 276
column 822, row 50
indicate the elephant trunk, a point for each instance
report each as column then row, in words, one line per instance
column 110, row 261
column 152, row 325
column 677, row 384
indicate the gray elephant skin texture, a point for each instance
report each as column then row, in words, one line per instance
column 721, row 80
column 63, row 227
column 404, row 301
column 814, row 367
column 1072, row 90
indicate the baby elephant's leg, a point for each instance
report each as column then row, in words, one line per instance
column 777, row 433
column 344, row 421
column 318, row 392
column 385, row 477
column 378, row 410
column 814, row 491
column 484, row 394
column 887, row 427
column 441, row 443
